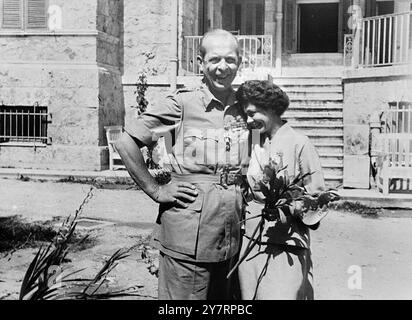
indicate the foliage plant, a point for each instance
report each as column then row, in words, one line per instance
column 140, row 93
column 162, row 175
column 282, row 197
column 45, row 279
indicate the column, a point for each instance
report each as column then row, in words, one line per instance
column 278, row 44
column 270, row 22
column 174, row 16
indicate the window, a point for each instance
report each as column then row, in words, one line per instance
column 23, row 124
column 23, row 14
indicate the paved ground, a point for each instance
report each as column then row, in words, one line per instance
column 355, row 257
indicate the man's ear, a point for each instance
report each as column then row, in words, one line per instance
column 200, row 63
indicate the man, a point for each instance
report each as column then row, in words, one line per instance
column 200, row 209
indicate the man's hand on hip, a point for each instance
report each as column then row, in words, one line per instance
column 179, row 193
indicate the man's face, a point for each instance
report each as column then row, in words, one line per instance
column 220, row 63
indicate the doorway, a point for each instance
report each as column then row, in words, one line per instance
column 244, row 17
column 318, row 27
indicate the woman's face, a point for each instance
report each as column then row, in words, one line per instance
column 259, row 118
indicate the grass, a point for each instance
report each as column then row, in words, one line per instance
column 16, row 233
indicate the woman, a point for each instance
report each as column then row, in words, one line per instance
column 279, row 266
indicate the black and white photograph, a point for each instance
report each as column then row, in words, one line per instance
column 224, row 151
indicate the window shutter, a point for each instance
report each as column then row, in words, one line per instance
column 36, row 14
column 12, row 14
column 289, row 30
column 260, row 19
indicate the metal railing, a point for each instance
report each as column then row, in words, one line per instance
column 23, row 124
column 398, row 118
column 347, row 49
column 384, row 40
column 256, row 52
column 395, row 143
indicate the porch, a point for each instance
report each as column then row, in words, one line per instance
column 278, row 36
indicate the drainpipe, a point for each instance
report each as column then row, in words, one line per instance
column 358, row 35
column 174, row 43
column 375, row 146
column 278, row 43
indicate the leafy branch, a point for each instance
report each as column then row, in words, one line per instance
column 283, row 198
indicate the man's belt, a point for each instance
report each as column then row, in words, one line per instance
column 223, row 178
column 229, row 178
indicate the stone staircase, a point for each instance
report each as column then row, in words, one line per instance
column 316, row 110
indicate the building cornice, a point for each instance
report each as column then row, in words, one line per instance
column 47, row 33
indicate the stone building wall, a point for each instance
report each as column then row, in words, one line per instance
column 147, row 39
column 63, row 71
column 110, row 62
column 365, row 97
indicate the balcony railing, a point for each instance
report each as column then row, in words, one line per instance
column 383, row 41
column 256, row 51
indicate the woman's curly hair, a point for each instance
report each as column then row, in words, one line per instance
column 263, row 94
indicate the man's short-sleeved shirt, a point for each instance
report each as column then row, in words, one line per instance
column 200, row 134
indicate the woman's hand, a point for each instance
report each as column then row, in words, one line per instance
column 179, row 193
column 298, row 208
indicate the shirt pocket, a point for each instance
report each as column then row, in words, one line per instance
column 200, row 147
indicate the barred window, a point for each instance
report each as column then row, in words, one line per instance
column 24, row 14
column 23, row 124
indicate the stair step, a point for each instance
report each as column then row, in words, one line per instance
column 322, row 134
column 312, row 89
column 313, row 122
column 313, row 115
column 296, row 125
column 315, row 109
column 290, row 81
column 334, row 183
column 332, row 149
column 334, row 140
column 315, row 104
column 332, row 165
column 331, row 154
column 327, row 96
column 327, row 135
column 329, row 144
column 332, row 173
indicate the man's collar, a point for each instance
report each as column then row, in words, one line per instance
column 208, row 97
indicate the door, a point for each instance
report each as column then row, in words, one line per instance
column 318, row 27
column 246, row 17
